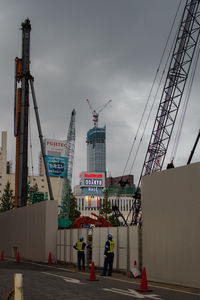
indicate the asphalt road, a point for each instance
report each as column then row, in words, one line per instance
column 53, row 283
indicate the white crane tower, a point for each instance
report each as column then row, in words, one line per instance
column 95, row 113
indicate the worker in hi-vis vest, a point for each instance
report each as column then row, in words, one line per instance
column 109, row 256
column 80, row 247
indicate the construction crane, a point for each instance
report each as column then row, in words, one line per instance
column 95, row 113
column 23, row 79
column 177, row 75
column 184, row 49
column 63, row 218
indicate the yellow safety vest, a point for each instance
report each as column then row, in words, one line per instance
column 80, row 246
column 112, row 245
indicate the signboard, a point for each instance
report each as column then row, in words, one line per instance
column 92, row 179
column 92, row 201
column 57, row 166
column 55, row 147
column 93, row 191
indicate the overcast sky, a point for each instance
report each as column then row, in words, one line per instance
column 96, row 50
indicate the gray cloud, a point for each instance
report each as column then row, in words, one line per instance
column 92, row 49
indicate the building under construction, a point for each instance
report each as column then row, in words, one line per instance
column 96, row 149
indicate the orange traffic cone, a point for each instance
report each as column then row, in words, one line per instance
column 2, row 256
column 144, row 284
column 50, row 258
column 92, row 273
column 18, row 258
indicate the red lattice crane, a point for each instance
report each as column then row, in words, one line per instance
column 95, row 113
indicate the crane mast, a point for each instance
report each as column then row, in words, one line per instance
column 63, row 220
column 22, row 80
column 24, row 106
column 184, row 49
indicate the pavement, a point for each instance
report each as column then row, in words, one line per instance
column 123, row 276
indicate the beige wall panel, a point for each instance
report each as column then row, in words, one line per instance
column 62, row 253
column 30, row 230
column 68, row 250
column 58, row 252
column 171, row 207
column 133, row 246
column 62, row 237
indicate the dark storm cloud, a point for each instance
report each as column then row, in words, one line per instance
column 95, row 49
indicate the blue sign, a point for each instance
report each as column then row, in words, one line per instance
column 93, row 191
column 57, row 165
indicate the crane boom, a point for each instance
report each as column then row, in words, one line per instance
column 66, row 187
column 184, row 49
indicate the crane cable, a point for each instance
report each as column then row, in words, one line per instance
column 31, row 150
column 148, row 99
column 182, row 118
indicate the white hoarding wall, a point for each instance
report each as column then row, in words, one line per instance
column 30, row 231
column 126, row 245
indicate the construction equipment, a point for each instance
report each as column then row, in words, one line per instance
column 95, row 113
column 177, row 75
column 22, row 80
column 84, row 221
column 184, row 49
column 63, row 218
column 193, row 149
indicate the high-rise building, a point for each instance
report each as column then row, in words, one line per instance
column 96, row 149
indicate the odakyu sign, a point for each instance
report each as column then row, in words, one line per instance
column 92, row 179
column 57, row 165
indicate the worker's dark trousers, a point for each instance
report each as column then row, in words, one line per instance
column 81, row 258
column 108, row 262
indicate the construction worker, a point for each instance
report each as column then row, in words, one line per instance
column 80, row 247
column 109, row 256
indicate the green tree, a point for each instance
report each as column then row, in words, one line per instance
column 113, row 220
column 106, row 208
column 7, row 199
column 31, row 190
column 74, row 212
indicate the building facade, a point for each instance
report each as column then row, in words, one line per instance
column 92, row 200
column 96, row 149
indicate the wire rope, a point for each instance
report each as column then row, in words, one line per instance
column 31, row 147
column 149, row 96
